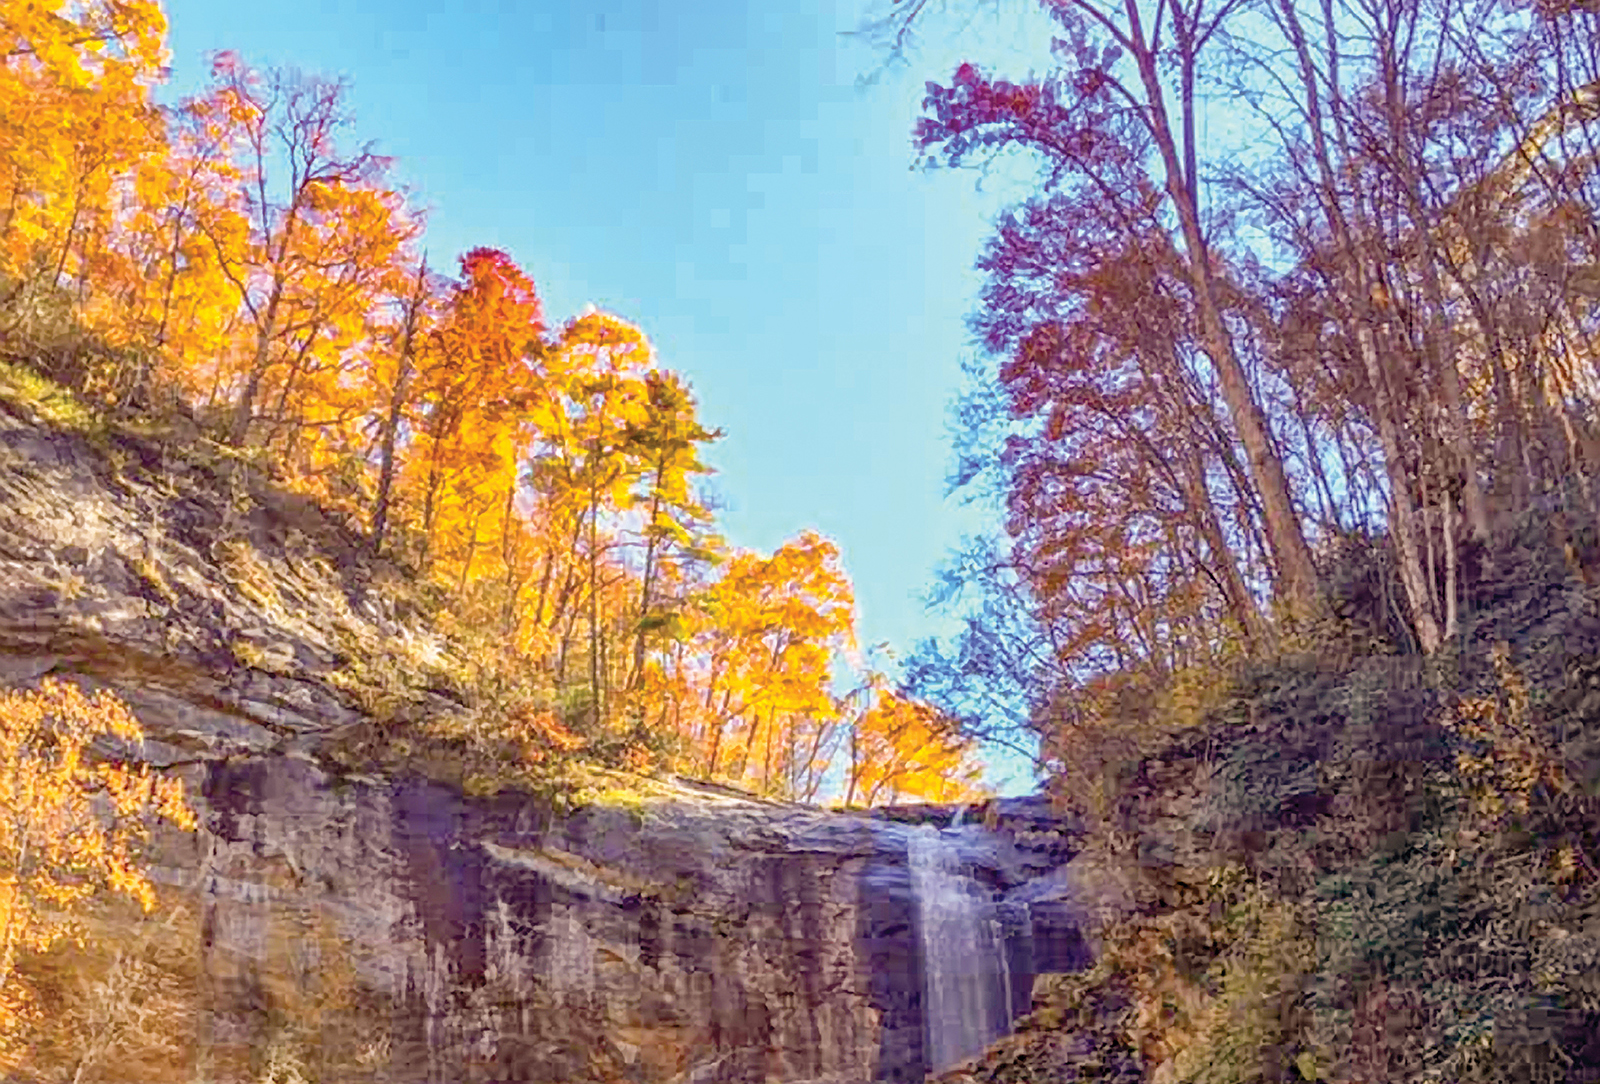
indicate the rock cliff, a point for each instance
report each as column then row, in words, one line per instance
column 666, row 931
column 677, row 936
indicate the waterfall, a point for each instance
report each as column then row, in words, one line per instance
column 966, row 981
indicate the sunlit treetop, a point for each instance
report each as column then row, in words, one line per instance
column 623, row 345
column 81, row 42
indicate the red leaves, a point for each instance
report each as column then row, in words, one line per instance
column 493, row 274
column 541, row 730
column 1072, row 133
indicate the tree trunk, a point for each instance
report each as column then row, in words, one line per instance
column 646, row 583
column 1451, row 604
column 1358, row 312
column 391, row 426
column 1291, row 553
column 508, row 557
column 1403, row 522
column 244, row 409
column 1236, row 593
column 594, row 602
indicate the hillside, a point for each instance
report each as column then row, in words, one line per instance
column 1287, row 435
column 1344, row 861
column 235, row 617
column 1353, row 863
column 393, row 875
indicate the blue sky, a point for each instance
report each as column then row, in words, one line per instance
column 712, row 171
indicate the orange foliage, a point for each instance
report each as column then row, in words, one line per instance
column 305, row 232
column 84, row 44
column 769, row 633
column 903, row 748
column 243, row 255
column 74, row 115
column 475, row 382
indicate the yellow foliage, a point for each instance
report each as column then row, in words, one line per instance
column 1512, row 759
column 79, row 44
column 903, row 748
column 1253, row 982
column 1169, row 1001
column 765, row 636
column 232, row 255
column 118, row 1002
column 1192, row 693
column 1210, row 990
column 539, row 729
column 72, row 825
column 47, row 400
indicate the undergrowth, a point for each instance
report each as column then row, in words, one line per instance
column 1348, row 862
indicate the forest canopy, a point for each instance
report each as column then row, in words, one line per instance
column 1285, row 393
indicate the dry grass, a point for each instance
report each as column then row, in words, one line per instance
column 46, row 400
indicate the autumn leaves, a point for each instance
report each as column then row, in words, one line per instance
column 70, row 824
column 242, row 256
column 238, row 258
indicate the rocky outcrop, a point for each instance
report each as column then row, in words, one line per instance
column 707, row 940
column 678, row 936
column 235, row 618
column 666, row 932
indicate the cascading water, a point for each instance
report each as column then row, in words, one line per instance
column 966, row 983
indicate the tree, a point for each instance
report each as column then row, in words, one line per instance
column 476, row 380
column 994, row 674
column 304, row 238
column 900, row 747
column 322, row 389
column 1362, row 349
column 666, row 444
column 69, row 825
column 164, row 293
column 586, row 424
column 410, row 334
column 74, row 117
column 1098, row 110
column 770, row 632
column 1117, row 471
column 82, row 44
